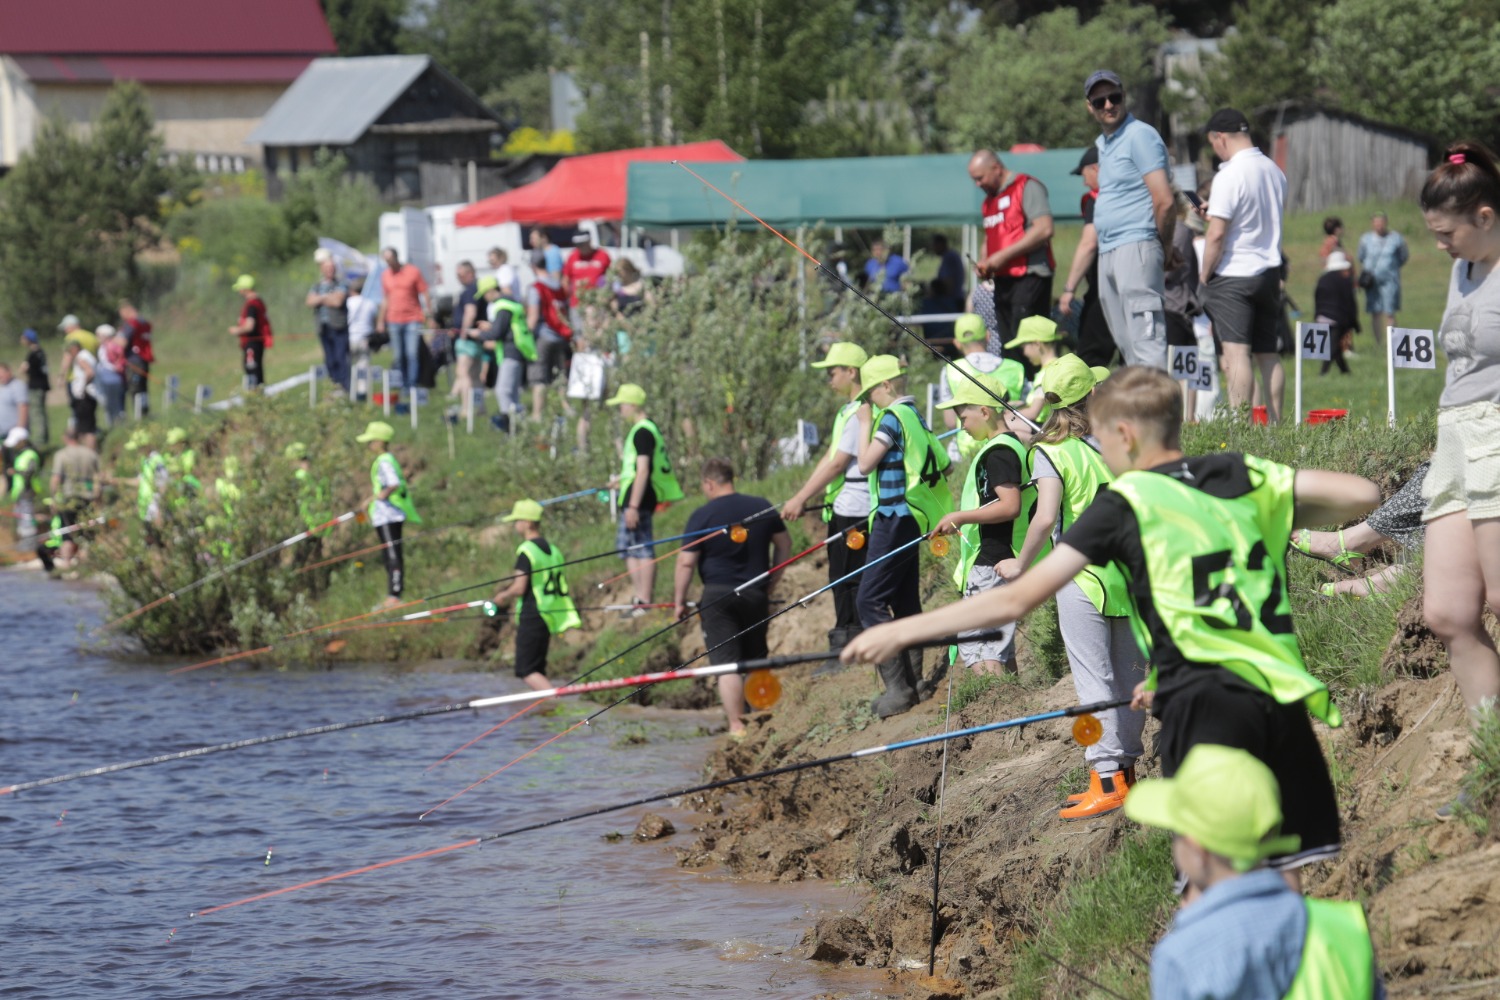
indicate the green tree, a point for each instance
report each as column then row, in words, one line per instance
column 1267, row 58
column 364, row 27
column 1428, row 65
column 1011, row 85
column 485, row 43
column 75, row 212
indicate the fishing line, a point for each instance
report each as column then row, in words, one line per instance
column 862, row 296
column 937, row 854
column 1076, row 711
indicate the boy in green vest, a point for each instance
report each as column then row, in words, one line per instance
column 646, row 482
column 504, row 328
column 26, row 487
column 1224, row 811
column 909, row 498
column 990, row 522
column 390, row 505
column 1201, row 543
column 846, row 494
column 312, row 506
column 545, row 607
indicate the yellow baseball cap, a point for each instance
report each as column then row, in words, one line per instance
column 1100, row 373
column 627, row 393
column 843, row 355
column 1223, row 798
column 1068, row 379
column 377, row 430
column 969, row 329
column 524, row 510
column 1034, row 330
column 244, row 283
column 878, row 369
column 486, row 284
column 966, row 393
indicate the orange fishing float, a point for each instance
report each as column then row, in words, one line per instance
column 1087, row 730
column 738, row 534
column 762, row 689
column 855, row 539
column 939, row 545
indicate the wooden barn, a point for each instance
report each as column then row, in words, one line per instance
column 390, row 116
column 1333, row 157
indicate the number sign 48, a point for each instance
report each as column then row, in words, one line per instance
column 1412, row 348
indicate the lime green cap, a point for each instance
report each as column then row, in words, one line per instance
column 969, row 329
column 1067, row 378
column 878, row 369
column 524, row 510
column 296, row 451
column 1034, row 330
column 377, row 430
column 1223, row 798
column 966, row 393
column 843, row 355
column 244, row 283
column 486, row 284
column 628, row 393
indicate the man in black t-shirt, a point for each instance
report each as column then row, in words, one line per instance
column 736, row 577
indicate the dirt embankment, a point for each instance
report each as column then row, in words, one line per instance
column 1432, row 889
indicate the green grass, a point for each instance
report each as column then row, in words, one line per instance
column 1100, row 925
column 1482, row 783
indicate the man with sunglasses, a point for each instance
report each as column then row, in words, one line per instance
column 1133, row 218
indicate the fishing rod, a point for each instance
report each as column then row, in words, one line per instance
column 1080, row 713
column 474, row 704
column 833, row 274
column 226, row 570
column 682, row 548
column 697, row 611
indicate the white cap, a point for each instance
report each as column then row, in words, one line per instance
column 321, row 254
column 67, row 321
column 104, row 330
column 16, row 436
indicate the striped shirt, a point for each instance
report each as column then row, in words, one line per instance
column 890, row 474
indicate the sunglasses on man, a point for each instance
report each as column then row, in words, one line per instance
column 1117, row 98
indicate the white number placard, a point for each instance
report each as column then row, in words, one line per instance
column 1412, row 348
column 1204, row 381
column 1185, row 363
column 1316, row 341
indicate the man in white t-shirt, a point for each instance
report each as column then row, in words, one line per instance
column 1241, row 268
column 507, row 276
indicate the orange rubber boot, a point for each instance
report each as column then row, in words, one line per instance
column 1128, row 773
column 1105, row 795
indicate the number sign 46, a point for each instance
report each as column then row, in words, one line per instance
column 1412, row 348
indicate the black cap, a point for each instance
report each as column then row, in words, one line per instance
column 1088, row 159
column 1227, row 120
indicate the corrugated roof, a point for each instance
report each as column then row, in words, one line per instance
column 335, row 101
column 163, row 27
column 162, row 69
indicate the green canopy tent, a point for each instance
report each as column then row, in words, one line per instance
column 857, row 191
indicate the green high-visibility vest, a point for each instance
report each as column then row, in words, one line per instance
column 520, row 333
column 1338, row 959
column 662, row 480
column 840, row 422
column 969, row 499
column 926, row 461
column 26, row 475
column 1084, row 474
column 549, row 587
column 400, row 496
column 1217, row 573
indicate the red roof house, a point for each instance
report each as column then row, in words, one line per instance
column 211, row 70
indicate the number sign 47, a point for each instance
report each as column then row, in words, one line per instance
column 1316, row 340
column 1412, row 348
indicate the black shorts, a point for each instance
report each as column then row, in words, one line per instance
column 532, row 642
column 1244, row 310
column 1217, row 707
column 725, row 615
column 85, row 415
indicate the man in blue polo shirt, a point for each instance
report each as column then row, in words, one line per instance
column 1133, row 218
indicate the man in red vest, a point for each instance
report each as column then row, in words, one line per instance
column 1017, row 242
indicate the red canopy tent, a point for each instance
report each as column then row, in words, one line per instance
column 584, row 187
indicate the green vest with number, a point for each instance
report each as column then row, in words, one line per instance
column 926, row 461
column 840, row 422
column 969, row 499
column 1084, row 474
column 26, row 475
column 662, row 480
column 520, row 333
column 1217, row 574
column 549, row 587
column 1338, row 959
column 400, row 496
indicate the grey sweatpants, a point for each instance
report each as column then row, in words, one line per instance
column 1107, row 665
column 1131, row 289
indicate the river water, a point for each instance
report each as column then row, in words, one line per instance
column 101, row 874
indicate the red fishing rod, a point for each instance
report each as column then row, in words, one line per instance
column 1085, row 728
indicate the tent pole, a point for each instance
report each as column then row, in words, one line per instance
column 906, row 246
